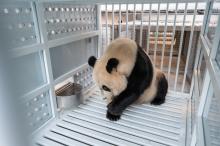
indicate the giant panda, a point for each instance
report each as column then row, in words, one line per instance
column 126, row 71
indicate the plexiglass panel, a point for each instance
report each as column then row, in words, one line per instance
column 37, row 110
column 211, row 119
column 218, row 55
column 201, row 71
column 214, row 16
column 28, row 73
column 70, row 56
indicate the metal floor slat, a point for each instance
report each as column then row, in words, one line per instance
column 131, row 110
column 149, row 122
column 139, row 125
column 134, row 116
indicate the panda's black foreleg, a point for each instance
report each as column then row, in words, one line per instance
column 119, row 104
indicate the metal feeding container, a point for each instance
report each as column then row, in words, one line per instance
column 69, row 96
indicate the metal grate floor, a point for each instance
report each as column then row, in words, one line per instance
column 139, row 125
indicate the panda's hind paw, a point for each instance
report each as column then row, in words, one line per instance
column 158, row 101
column 112, row 117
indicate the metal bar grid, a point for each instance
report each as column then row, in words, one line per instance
column 141, row 28
column 113, row 19
column 148, row 32
column 139, row 125
column 164, row 37
column 189, row 47
column 119, row 29
column 134, row 20
column 156, row 34
column 180, row 47
column 172, row 43
column 126, row 20
column 106, row 24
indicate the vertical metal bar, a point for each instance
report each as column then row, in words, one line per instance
column 119, row 30
column 180, row 47
column 134, row 19
column 205, row 88
column 173, row 36
column 47, row 60
column 164, row 37
column 113, row 25
column 99, row 27
column 156, row 35
column 126, row 20
column 206, row 16
column 189, row 47
column 106, row 23
column 148, row 32
column 215, row 44
column 141, row 28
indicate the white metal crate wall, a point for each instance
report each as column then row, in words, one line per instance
column 64, row 19
column 18, row 24
column 35, row 31
column 38, row 110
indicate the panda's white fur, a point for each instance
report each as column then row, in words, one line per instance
column 125, row 50
column 151, row 91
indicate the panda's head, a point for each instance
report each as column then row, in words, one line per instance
column 106, row 75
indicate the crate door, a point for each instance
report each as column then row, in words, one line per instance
column 208, row 125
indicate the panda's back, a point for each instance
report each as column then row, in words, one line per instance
column 150, row 92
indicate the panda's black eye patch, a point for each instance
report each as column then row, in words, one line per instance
column 106, row 88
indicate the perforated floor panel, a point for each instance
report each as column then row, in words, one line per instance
column 139, row 125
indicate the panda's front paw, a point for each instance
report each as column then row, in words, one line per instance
column 115, row 110
column 112, row 117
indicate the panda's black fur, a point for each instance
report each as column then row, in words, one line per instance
column 138, row 81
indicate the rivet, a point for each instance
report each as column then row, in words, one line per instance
column 23, row 39
column 46, row 114
column 17, row 10
column 52, row 32
column 42, row 95
column 31, row 124
column 44, row 105
column 6, row 11
column 62, row 9
column 39, row 118
column 56, row 9
column 67, row 9
column 27, row 10
column 29, row 114
column 51, row 20
column 28, row 104
column 29, row 25
column 49, row 9
column 33, row 37
column 57, row 20
column 20, row 25
column 36, row 109
column 35, row 99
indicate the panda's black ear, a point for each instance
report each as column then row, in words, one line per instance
column 112, row 63
column 92, row 61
